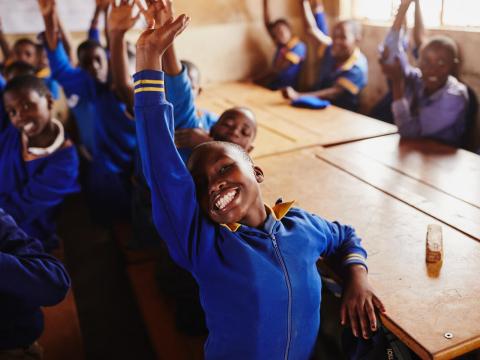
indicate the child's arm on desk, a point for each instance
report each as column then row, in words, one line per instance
column 358, row 300
column 176, row 212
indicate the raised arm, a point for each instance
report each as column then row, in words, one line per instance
column 120, row 20
column 312, row 28
column 49, row 13
column 419, row 28
column 29, row 274
column 267, row 20
column 66, row 38
column 4, row 45
column 401, row 13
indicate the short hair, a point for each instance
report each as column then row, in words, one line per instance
column 87, row 45
column 446, row 43
column 281, row 21
column 24, row 41
column 236, row 148
column 242, row 109
column 27, row 82
column 20, row 67
column 354, row 26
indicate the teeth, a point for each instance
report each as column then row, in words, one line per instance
column 225, row 200
column 432, row 78
column 28, row 126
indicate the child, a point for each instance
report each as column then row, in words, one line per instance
column 30, row 279
column 18, row 68
column 427, row 101
column 289, row 55
column 383, row 109
column 344, row 70
column 257, row 274
column 113, row 141
column 39, row 166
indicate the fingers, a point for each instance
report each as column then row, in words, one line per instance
column 343, row 311
column 372, row 319
column 353, row 320
column 364, row 323
column 176, row 27
column 378, row 304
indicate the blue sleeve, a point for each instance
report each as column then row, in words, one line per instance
column 28, row 273
column 2, row 82
column 179, row 94
column 46, row 188
column 176, row 212
column 343, row 243
column 73, row 80
column 353, row 80
column 94, row 34
column 321, row 21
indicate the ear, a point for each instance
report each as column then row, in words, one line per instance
column 258, row 174
column 49, row 101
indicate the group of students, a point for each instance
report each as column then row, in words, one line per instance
column 182, row 175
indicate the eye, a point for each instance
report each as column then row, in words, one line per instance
column 224, row 168
column 26, row 106
column 11, row 113
column 246, row 131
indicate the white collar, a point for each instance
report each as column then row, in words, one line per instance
column 57, row 143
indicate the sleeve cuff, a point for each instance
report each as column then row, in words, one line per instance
column 355, row 259
column 400, row 110
column 149, row 87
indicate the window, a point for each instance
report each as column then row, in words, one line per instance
column 435, row 12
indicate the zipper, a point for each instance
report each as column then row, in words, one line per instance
column 289, row 288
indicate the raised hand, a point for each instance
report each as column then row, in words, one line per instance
column 47, row 7
column 121, row 16
column 102, row 4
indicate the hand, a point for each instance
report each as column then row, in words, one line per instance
column 406, row 2
column 290, row 93
column 394, row 71
column 157, row 13
column 153, row 42
column 359, row 303
column 189, row 138
column 47, row 7
column 121, row 16
column 102, row 4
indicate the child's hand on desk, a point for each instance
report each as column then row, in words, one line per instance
column 189, row 138
column 121, row 17
column 359, row 303
column 153, row 42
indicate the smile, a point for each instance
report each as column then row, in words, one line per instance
column 224, row 199
column 28, row 127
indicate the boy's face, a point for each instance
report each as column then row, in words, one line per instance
column 343, row 42
column 94, row 61
column 26, row 53
column 237, row 126
column 227, row 184
column 436, row 64
column 28, row 111
column 281, row 34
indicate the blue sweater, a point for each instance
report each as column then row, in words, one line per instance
column 30, row 191
column 260, row 288
column 30, row 279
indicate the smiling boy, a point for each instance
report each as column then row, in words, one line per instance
column 255, row 265
column 39, row 166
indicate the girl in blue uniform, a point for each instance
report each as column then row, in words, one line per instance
column 39, row 166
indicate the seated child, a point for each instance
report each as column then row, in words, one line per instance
column 383, row 109
column 253, row 263
column 289, row 55
column 112, row 144
column 39, row 165
column 18, row 68
column 30, row 279
column 427, row 101
column 344, row 69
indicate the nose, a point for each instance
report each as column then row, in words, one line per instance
column 216, row 185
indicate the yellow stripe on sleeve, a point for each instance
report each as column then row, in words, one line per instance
column 348, row 85
column 292, row 57
column 151, row 82
column 149, row 89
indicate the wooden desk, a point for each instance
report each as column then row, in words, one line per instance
column 321, row 127
column 422, row 305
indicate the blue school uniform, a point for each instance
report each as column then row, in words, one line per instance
column 295, row 52
column 352, row 75
column 260, row 288
column 109, row 136
column 52, row 85
column 3, row 114
column 321, row 21
column 30, row 191
column 30, row 279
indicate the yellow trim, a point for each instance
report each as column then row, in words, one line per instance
column 149, row 89
column 353, row 256
column 351, row 61
column 292, row 57
column 44, row 73
column 348, row 85
column 232, row 227
column 292, row 42
column 157, row 82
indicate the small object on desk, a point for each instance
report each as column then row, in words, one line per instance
column 434, row 252
column 310, row 102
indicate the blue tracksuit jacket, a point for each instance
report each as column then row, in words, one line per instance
column 260, row 288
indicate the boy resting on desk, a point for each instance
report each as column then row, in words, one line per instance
column 255, row 265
